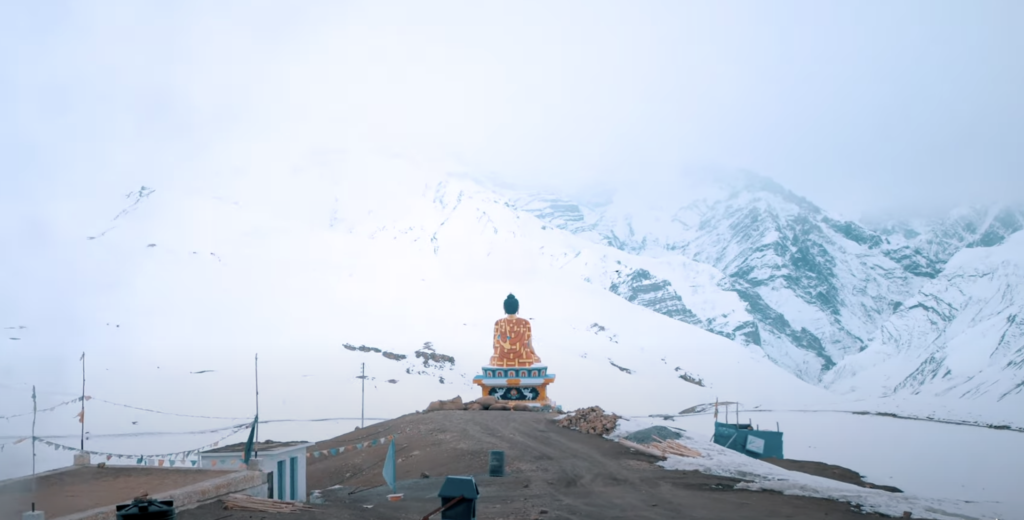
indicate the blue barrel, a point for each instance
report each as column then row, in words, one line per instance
column 497, row 465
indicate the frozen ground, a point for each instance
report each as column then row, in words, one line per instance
column 945, row 471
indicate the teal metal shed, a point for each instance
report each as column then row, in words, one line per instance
column 759, row 444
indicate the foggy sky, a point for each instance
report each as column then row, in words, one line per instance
column 860, row 106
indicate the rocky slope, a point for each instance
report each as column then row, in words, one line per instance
column 960, row 336
column 817, row 288
column 809, row 289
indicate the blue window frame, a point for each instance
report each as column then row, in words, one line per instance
column 293, row 478
column 280, row 479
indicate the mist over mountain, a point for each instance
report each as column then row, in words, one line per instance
column 816, row 293
column 722, row 287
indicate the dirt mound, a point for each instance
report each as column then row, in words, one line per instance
column 591, row 420
column 552, row 473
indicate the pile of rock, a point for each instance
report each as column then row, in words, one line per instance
column 591, row 420
column 483, row 403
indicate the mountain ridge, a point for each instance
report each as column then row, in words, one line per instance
column 819, row 289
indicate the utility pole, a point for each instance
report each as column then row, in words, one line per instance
column 33, row 429
column 81, row 418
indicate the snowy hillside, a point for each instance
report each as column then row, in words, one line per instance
column 823, row 297
column 924, row 246
column 171, row 289
column 171, row 292
column 816, row 289
column 960, row 337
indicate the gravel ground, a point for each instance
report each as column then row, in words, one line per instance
column 552, row 473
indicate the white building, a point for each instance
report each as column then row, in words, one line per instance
column 283, row 462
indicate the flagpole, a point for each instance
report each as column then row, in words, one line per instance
column 362, row 411
column 256, row 427
column 81, row 419
column 33, row 429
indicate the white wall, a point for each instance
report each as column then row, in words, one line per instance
column 268, row 463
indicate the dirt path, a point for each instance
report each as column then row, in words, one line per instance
column 568, row 474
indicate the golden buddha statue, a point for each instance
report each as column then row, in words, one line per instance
column 513, row 339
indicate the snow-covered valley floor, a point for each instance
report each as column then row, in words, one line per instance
column 945, row 471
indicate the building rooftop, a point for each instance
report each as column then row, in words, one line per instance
column 265, row 446
column 78, row 489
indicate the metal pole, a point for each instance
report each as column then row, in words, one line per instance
column 256, row 441
column 33, row 429
column 82, row 438
column 362, row 412
column 737, row 414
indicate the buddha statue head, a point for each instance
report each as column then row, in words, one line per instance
column 511, row 305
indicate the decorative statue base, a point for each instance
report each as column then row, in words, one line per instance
column 519, row 384
column 515, row 372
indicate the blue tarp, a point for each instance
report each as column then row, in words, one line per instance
column 759, row 444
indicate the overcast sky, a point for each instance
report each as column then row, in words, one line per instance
column 858, row 105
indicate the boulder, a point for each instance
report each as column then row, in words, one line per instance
column 500, row 406
column 454, row 403
column 475, row 406
column 486, row 402
column 522, row 407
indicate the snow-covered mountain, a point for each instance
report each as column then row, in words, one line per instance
column 961, row 336
column 188, row 281
column 809, row 289
column 813, row 289
column 620, row 290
